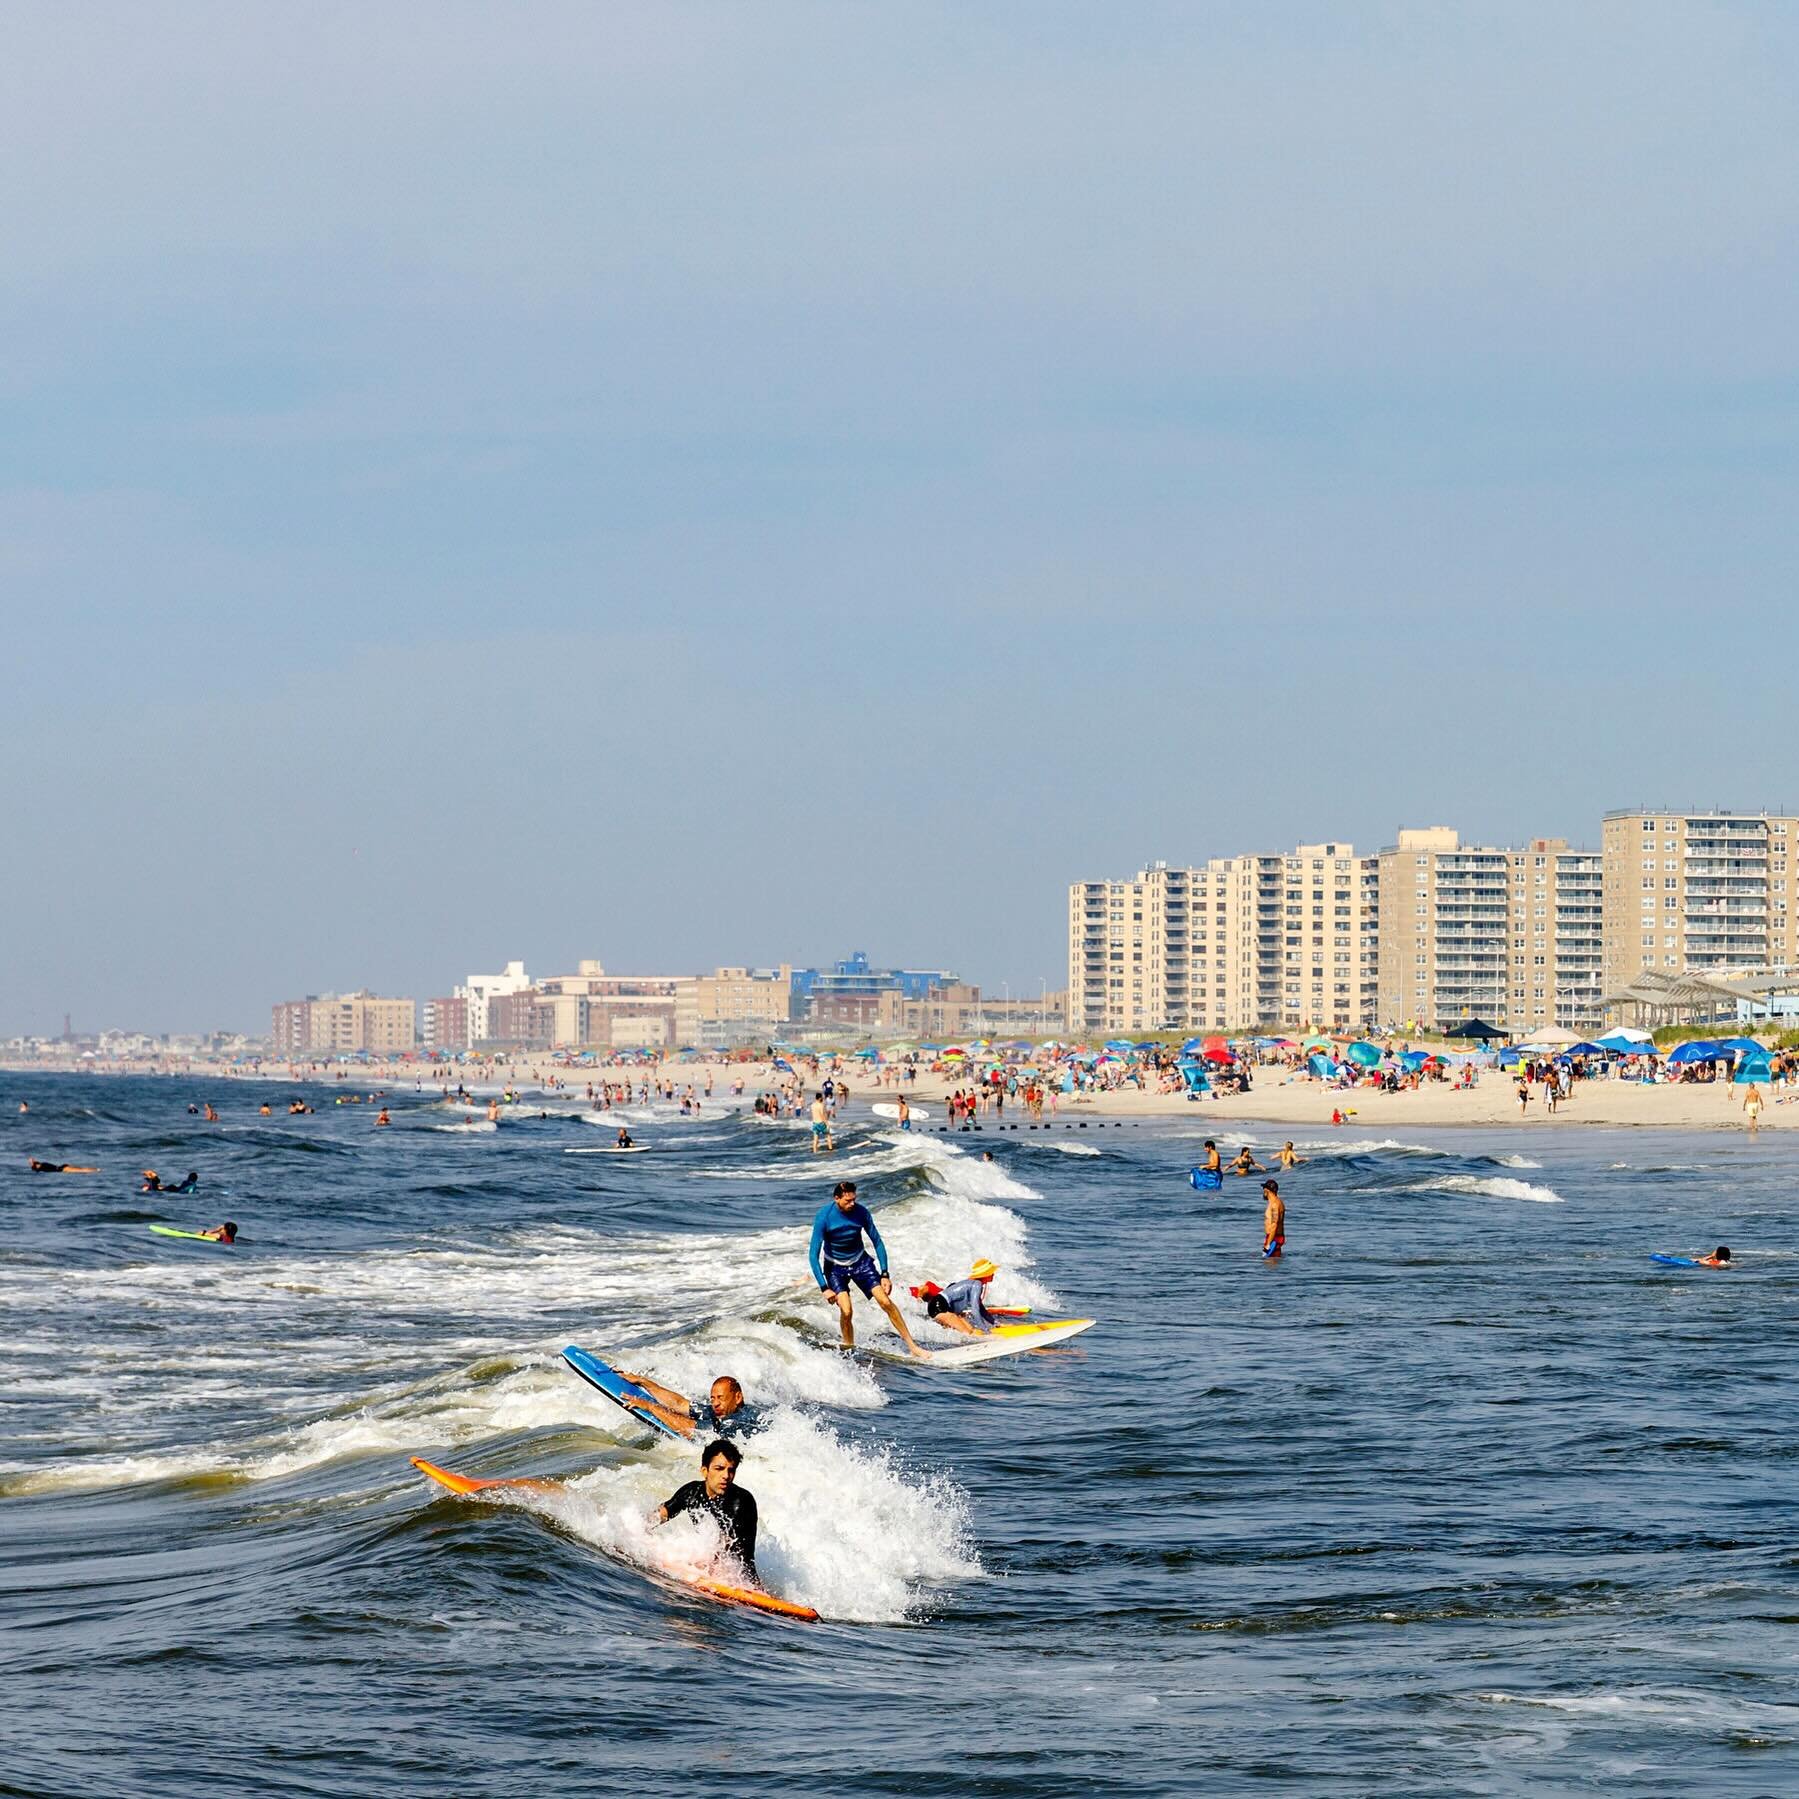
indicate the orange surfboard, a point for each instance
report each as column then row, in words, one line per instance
column 716, row 1589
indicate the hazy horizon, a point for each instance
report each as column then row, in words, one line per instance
column 693, row 485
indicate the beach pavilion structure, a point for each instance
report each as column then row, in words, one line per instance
column 1654, row 998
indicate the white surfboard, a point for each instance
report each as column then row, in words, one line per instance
column 611, row 1149
column 885, row 1109
column 1009, row 1339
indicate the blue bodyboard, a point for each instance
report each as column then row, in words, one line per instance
column 1207, row 1180
column 614, row 1385
column 1676, row 1261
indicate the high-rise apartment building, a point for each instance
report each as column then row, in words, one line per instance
column 1284, row 942
column 1511, row 936
column 1698, row 892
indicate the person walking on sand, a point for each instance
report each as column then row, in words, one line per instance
column 1752, row 1107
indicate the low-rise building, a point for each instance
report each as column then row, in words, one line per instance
column 339, row 1024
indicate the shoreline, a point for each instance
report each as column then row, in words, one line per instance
column 1281, row 1100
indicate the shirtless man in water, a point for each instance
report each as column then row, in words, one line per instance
column 1274, row 1221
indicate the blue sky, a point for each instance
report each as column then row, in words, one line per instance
column 697, row 483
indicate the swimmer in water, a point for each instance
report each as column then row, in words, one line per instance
column 1274, row 1222
column 1719, row 1258
column 1244, row 1163
column 38, row 1167
column 383, row 1118
column 1288, row 1156
column 221, row 1233
column 625, row 1139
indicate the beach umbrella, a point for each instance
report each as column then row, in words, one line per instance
column 1317, row 1043
column 1413, row 1059
column 1218, row 1053
column 871, row 1054
column 1586, row 1049
column 1364, row 1055
column 1149, row 1046
column 1701, row 1049
column 1743, row 1046
column 1626, row 1039
column 1117, row 1043
column 901, row 1049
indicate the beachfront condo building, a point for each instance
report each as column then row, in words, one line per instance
column 1283, row 941
column 341, row 1024
column 738, row 1005
column 1510, row 936
column 1698, row 893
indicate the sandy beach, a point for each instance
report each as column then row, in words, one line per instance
column 1277, row 1097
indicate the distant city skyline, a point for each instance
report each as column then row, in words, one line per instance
column 699, row 485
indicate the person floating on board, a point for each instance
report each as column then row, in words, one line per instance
column 962, row 1305
column 731, row 1507
column 1719, row 1258
column 1245, row 1163
column 625, row 1139
column 154, row 1183
column 723, row 1412
column 220, row 1233
column 38, row 1167
column 838, row 1258
column 1274, row 1221
column 1288, row 1157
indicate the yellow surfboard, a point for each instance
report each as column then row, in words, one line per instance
column 753, row 1597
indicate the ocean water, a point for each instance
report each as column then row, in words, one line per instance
column 1464, row 1496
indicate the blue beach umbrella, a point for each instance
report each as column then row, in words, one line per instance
column 1364, row 1055
column 1701, row 1049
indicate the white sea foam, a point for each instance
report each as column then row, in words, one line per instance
column 472, row 1124
column 842, row 1528
column 1487, row 1187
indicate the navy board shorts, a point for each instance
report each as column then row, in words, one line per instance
column 862, row 1271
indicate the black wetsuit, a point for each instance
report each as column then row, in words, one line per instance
column 734, row 1511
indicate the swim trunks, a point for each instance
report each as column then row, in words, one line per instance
column 1274, row 1246
column 862, row 1271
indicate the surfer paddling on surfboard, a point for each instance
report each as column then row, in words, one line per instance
column 723, row 1412
column 838, row 1258
column 731, row 1507
column 962, row 1305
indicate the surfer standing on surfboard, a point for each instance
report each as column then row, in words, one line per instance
column 731, row 1507
column 838, row 1258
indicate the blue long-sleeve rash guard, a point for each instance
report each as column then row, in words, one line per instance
column 838, row 1234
